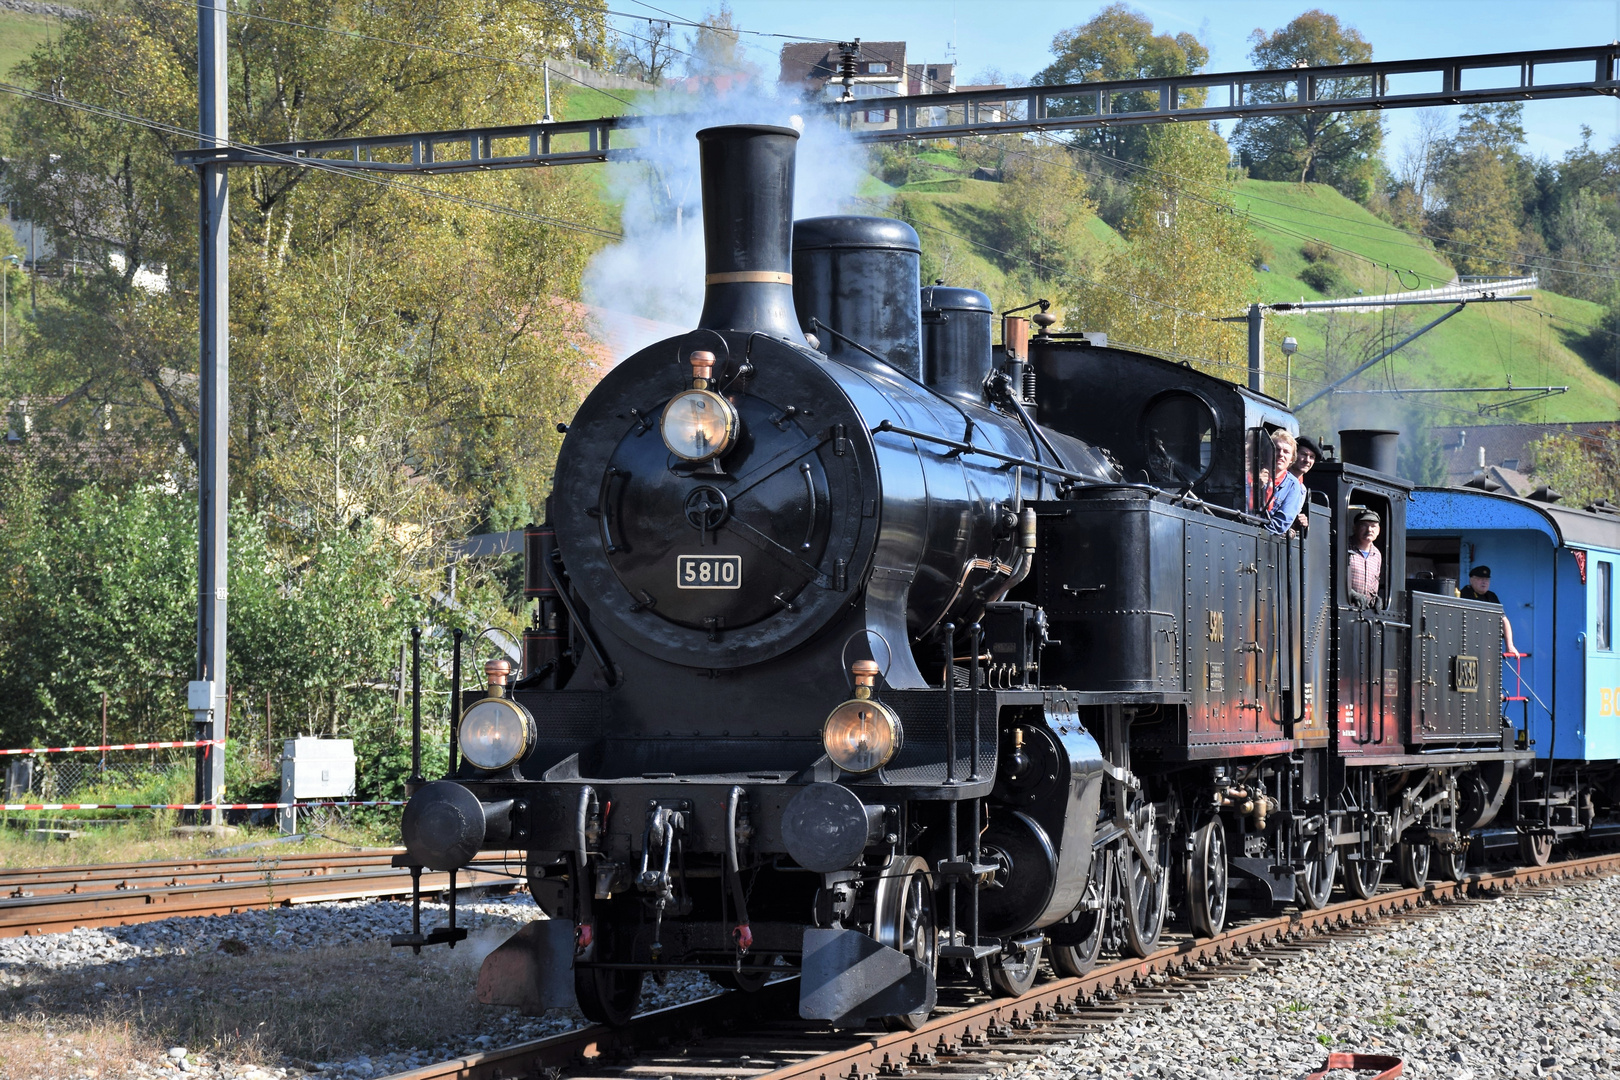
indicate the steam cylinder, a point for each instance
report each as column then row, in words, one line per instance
column 748, row 229
column 858, row 275
column 957, row 355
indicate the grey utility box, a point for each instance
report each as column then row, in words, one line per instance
column 314, row 769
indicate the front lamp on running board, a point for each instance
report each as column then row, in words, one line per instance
column 495, row 732
column 862, row 734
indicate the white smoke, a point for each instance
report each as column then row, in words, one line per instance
column 655, row 274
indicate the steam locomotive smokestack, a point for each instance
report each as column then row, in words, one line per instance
column 748, row 229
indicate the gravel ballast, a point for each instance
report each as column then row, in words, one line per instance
column 94, row 955
column 1519, row 987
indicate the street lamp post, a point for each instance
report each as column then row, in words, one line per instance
column 1289, row 348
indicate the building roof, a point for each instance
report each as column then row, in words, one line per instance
column 1504, row 445
column 930, row 78
column 812, row 64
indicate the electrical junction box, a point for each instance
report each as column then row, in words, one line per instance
column 317, row 768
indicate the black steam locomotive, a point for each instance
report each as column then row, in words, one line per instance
column 868, row 649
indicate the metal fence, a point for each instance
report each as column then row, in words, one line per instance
column 113, row 776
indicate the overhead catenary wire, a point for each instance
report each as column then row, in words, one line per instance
column 308, row 163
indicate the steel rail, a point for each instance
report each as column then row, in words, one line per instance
column 81, row 886
column 1075, row 106
column 981, row 1024
column 12, row 878
column 128, row 875
column 54, row 906
column 973, row 1037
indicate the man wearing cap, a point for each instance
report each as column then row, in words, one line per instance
column 1366, row 561
column 1305, row 456
column 1479, row 588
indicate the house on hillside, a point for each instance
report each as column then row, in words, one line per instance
column 42, row 253
column 815, row 69
column 1502, row 451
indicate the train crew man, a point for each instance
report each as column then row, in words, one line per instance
column 1479, row 588
column 1306, row 455
column 1285, row 496
column 1366, row 561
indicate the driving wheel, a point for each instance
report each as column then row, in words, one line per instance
column 1085, row 928
column 1146, row 881
column 1363, row 876
column 1450, row 865
column 1206, row 879
column 1316, row 879
column 608, row 996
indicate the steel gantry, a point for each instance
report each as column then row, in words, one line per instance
column 1394, row 84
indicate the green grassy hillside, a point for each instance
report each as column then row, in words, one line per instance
column 966, row 238
column 19, row 33
column 1316, row 244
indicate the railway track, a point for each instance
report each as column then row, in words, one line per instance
column 53, row 899
column 759, row 1036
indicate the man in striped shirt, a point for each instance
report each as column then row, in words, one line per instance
column 1366, row 561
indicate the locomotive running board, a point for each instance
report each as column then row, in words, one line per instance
column 533, row 970
column 850, row 978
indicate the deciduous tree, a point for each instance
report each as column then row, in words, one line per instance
column 1119, row 43
column 452, row 323
column 1485, row 181
column 1317, row 147
column 1583, row 469
column 1190, row 259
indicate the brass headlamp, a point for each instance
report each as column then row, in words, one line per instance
column 698, row 424
column 862, row 734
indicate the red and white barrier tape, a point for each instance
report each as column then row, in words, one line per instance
column 191, row 806
column 181, row 745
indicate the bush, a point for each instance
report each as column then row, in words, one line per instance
column 1325, row 278
column 1315, row 251
column 99, row 595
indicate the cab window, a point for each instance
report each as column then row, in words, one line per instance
column 1356, row 563
column 1178, row 430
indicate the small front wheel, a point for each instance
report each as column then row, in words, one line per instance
column 1013, row 973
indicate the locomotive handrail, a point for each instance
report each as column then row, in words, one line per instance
column 969, row 448
column 585, row 631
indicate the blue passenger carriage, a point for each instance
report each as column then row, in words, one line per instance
column 1554, row 569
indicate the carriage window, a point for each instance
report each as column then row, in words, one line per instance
column 1605, row 605
column 1179, row 430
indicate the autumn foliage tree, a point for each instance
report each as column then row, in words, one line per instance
column 396, row 355
column 1583, row 469
column 1189, row 262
